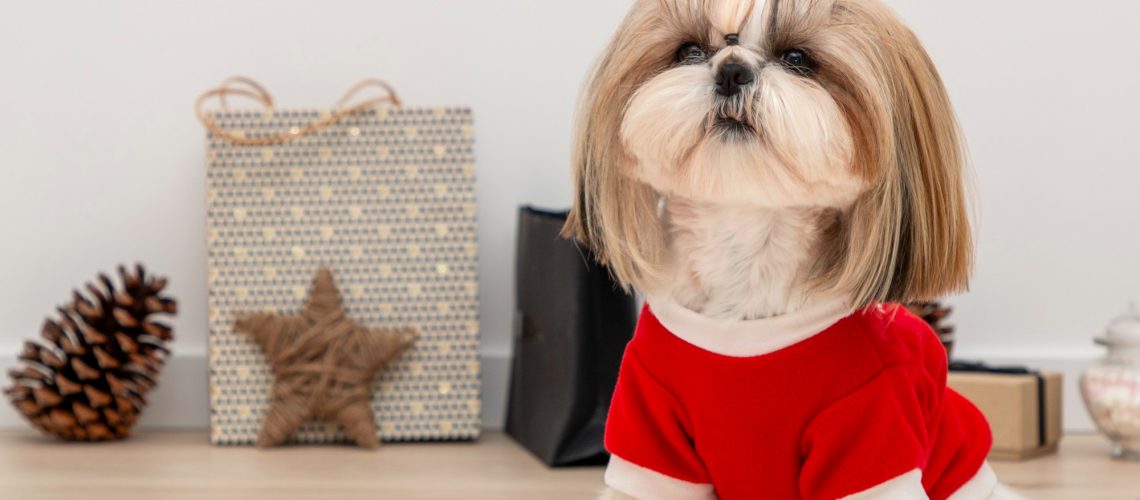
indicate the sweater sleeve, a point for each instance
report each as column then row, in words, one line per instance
column 653, row 453
column 873, row 443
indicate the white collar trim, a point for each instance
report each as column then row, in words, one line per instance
column 744, row 339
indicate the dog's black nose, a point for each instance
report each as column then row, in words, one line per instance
column 731, row 77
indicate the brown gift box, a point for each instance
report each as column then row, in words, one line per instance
column 1023, row 426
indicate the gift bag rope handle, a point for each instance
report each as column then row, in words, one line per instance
column 249, row 88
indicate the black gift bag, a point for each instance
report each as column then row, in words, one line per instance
column 572, row 323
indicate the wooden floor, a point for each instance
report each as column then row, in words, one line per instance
column 177, row 465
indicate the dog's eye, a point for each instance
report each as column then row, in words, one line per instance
column 797, row 59
column 691, row 53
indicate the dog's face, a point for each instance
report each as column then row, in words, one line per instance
column 750, row 101
column 776, row 103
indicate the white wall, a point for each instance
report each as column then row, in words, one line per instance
column 102, row 160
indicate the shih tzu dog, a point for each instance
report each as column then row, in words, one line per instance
column 772, row 175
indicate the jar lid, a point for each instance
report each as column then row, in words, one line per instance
column 1126, row 329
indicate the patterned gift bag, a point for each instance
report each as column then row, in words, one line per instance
column 381, row 193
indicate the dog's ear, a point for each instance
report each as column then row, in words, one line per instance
column 614, row 214
column 909, row 237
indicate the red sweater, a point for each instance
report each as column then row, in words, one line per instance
column 819, row 406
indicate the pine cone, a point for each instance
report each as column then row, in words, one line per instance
column 935, row 313
column 87, row 379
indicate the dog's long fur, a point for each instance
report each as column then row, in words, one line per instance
column 867, row 143
column 843, row 177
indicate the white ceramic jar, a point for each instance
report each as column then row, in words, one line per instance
column 1111, row 388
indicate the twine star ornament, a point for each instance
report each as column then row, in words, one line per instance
column 324, row 365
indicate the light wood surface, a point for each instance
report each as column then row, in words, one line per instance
column 182, row 465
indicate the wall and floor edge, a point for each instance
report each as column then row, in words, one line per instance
column 181, row 401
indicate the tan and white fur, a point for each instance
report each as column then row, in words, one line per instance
column 835, row 166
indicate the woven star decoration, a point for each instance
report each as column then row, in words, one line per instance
column 324, row 363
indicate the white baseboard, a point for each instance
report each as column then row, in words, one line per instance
column 181, row 400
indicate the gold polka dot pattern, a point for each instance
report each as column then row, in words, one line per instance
column 385, row 198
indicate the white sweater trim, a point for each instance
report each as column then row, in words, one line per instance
column 905, row 487
column 640, row 482
column 742, row 339
column 909, row 487
column 980, row 487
